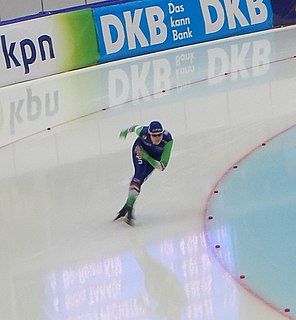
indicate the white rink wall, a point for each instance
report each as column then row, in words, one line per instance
column 11, row 9
column 131, row 90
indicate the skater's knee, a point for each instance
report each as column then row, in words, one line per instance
column 135, row 186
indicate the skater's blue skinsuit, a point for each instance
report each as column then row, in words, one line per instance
column 154, row 156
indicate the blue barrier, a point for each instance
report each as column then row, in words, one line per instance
column 284, row 12
column 146, row 26
column 126, row 28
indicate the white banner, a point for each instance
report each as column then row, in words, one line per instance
column 40, row 47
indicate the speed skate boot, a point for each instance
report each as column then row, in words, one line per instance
column 122, row 212
column 130, row 218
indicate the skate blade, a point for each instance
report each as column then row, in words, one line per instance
column 130, row 222
column 118, row 217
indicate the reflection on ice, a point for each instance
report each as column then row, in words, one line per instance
column 172, row 279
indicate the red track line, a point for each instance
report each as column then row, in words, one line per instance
column 207, row 221
column 143, row 97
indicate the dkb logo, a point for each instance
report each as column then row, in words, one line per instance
column 114, row 29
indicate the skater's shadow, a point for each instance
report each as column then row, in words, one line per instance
column 162, row 285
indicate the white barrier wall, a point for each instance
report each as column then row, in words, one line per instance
column 131, row 90
column 11, row 9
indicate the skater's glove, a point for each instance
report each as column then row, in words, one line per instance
column 123, row 133
column 139, row 152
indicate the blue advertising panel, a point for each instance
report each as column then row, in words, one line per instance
column 146, row 26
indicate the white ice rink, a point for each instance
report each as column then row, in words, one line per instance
column 65, row 174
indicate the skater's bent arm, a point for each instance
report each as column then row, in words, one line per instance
column 160, row 165
column 166, row 154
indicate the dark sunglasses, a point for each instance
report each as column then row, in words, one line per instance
column 156, row 135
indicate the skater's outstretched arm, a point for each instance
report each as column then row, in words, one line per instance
column 135, row 128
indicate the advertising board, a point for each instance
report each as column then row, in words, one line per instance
column 40, row 47
column 141, row 27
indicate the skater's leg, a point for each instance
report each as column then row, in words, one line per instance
column 142, row 169
column 130, row 217
column 134, row 191
column 122, row 212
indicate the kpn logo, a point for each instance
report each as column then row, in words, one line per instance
column 25, row 53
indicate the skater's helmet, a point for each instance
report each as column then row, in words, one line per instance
column 155, row 128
